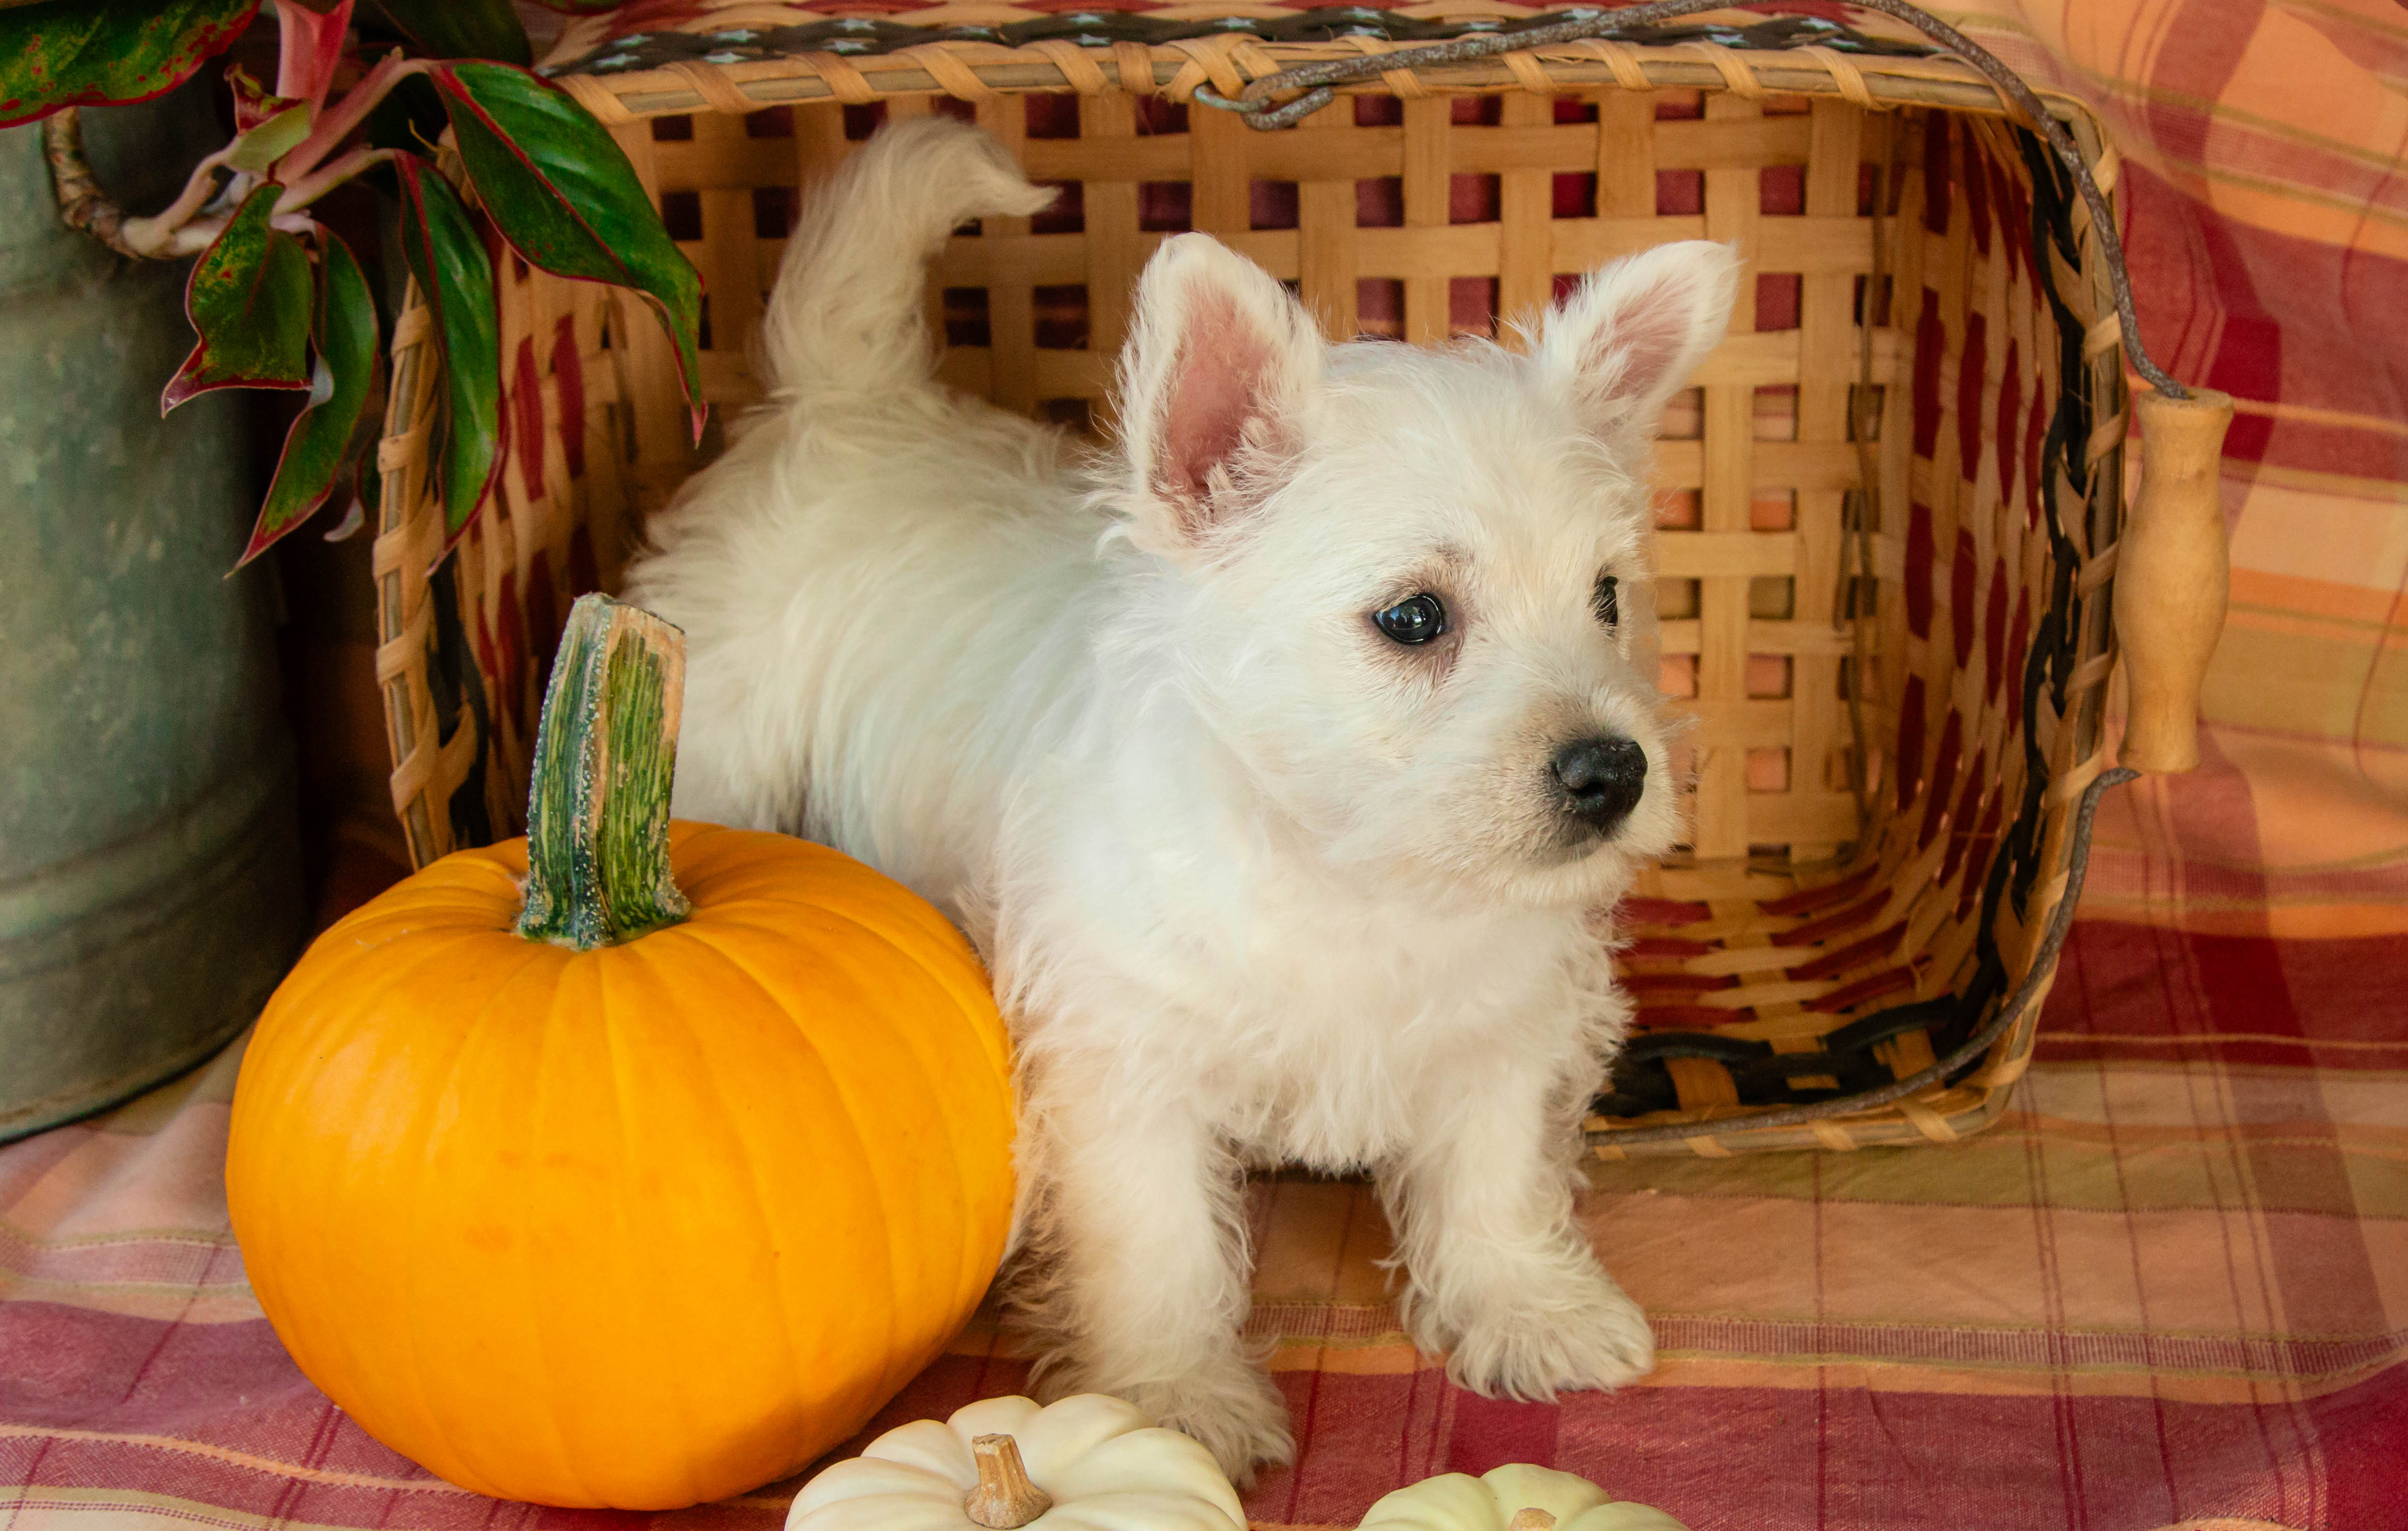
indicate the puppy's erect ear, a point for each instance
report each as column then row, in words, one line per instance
column 1217, row 368
column 1628, row 336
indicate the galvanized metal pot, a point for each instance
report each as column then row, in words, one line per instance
column 149, row 873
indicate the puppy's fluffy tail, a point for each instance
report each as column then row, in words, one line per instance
column 846, row 315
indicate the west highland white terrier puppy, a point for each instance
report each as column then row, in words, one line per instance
column 1279, row 761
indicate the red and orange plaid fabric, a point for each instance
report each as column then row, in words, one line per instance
column 2268, row 232
column 2171, row 1286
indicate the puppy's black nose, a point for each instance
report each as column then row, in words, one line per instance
column 1602, row 779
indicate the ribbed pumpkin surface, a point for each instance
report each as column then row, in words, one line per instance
column 637, row 1227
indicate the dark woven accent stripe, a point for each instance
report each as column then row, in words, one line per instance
column 865, row 36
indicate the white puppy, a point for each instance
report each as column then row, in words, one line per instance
column 1277, row 762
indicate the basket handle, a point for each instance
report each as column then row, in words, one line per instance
column 2173, row 573
column 1255, row 107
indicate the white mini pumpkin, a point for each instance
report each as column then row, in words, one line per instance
column 1514, row 1498
column 1088, row 1462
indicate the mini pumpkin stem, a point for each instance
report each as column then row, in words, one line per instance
column 598, row 808
column 1004, row 1499
column 1531, row 1518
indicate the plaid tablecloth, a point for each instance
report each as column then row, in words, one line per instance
column 2172, row 1286
column 2266, row 218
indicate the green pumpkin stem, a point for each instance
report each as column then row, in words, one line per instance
column 598, row 808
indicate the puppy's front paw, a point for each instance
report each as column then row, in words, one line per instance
column 1590, row 1337
column 1235, row 1410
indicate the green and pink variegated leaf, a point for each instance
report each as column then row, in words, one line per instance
column 342, row 379
column 446, row 255
column 249, row 299
column 563, row 193
column 95, row 53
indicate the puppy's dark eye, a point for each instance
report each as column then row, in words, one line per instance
column 1603, row 602
column 1413, row 621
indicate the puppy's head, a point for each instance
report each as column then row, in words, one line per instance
column 1409, row 589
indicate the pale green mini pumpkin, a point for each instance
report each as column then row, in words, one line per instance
column 1514, row 1498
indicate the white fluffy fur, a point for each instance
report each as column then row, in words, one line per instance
column 1257, row 885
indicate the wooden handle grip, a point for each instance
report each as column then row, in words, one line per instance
column 2171, row 576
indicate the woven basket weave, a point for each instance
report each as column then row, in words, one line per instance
column 1842, row 917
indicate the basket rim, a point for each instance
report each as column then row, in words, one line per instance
column 631, row 88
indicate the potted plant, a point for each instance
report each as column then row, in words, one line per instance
column 149, row 886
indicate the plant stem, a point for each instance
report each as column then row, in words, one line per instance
column 317, row 183
column 83, row 204
column 606, row 754
column 336, row 123
column 190, row 239
column 172, row 232
column 309, row 45
column 155, row 236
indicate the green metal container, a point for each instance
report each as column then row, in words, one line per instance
column 149, row 871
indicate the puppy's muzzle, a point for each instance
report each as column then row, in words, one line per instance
column 1602, row 779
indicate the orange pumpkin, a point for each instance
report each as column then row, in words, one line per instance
column 638, row 1208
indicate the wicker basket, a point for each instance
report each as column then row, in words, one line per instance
column 1885, row 549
